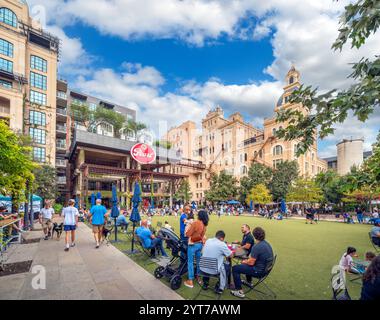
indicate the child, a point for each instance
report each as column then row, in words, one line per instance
column 168, row 226
column 189, row 221
column 347, row 261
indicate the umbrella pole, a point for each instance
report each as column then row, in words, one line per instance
column 133, row 238
column 115, row 231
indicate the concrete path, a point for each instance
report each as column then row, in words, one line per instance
column 83, row 273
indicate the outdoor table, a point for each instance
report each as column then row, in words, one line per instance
column 7, row 223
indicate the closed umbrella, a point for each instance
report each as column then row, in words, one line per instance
column 99, row 195
column 77, row 202
column 93, row 200
column 135, row 215
column 251, row 205
column 115, row 210
column 283, row 206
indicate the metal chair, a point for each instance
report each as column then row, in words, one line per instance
column 377, row 248
column 268, row 269
column 338, row 284
column 150, row 253
column 212, row 265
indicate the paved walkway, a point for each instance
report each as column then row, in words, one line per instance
column 82, row 273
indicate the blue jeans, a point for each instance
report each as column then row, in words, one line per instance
column 157, row 243
column 360, row 217
column 193, row 250
column 249, row 271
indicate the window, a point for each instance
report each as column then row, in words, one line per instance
column 312, row 156
column 6, row 65
column 243, row 170
column 38, row 63
column 295, row 150
column 291, row 80
column 274, row 131
column 277, row 150
column 39, row 154
column 261, row 153
column 307, row 167
column 276, row 163
column 8, row 16
column 6, row 84
column 37, row 118
column 38, row 135
column 37, row 97
column 92, row 106
column 62, row 95
column 255, row 154
column 6, row 48
column 38, row 81
column 245, row 157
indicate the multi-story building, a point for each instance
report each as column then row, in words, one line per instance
column 28, row 78
column 231, row 144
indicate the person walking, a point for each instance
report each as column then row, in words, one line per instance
column 70, row 223
column 98, row 213
column 359, row 214
column 196, row 234
column 45, row 219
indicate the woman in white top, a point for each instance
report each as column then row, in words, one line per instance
column 347, row 261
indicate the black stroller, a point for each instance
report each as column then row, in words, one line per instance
column 172, row 271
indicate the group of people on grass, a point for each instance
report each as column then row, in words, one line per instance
column 254, row 253
column 369, row 268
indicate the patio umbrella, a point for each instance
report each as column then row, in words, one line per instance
column 251, row 205
column 99, row 195
column 77, row 202
column 135, row 215
column 233, row 202
column 93, row 200
column 115, row 210
column 283, row 206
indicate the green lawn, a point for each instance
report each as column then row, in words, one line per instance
column 305, row 253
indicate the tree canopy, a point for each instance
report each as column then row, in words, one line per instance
column 45, row 184
column 358, row 22
column 223, row 187
column 305, row 191
column 284, row 175
column 184, row 193
column 259, row 195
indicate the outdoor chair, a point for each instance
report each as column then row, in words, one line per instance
column 338, row 284
column 212, row 264
column 268, row 270
column 377, row 248
column 147, row 252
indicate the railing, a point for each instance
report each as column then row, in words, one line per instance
column 61, row 128
column 62, row 95
column 62, row 111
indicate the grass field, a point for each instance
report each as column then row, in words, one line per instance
column 305, row 254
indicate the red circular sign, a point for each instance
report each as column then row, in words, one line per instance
column 143, row 153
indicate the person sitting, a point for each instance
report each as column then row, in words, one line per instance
column 375, row 216
column 375, row 233
column 255, row 265
column 347, row 262
column 246, row 244
column 149, row 241
column 371, row 281
column 122, row 221
column 168, row 226
column 216, row 248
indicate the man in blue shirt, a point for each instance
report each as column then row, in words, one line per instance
column 375, row 233
column 97, row 215
column 182, row 223
column 121, row 221
column 149, row 241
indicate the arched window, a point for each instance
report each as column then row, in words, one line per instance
column 295, row 149
column 291, row 80
column 274, row 131
column 6, row 48
column 260, row 153
column 243, row 170
column 255, row 154
column 8, row 16
column 277, row 150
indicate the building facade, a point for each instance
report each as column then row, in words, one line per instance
column 28, row 78
column 232, row 145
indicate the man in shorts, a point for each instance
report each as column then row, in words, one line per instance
column 70, row 223
column 45, row 218
column 97, row 214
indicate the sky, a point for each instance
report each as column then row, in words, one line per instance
column 174, row 60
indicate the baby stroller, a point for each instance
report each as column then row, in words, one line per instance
column 179, row 252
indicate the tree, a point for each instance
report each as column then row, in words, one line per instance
column 305, row 191
column 259, row 195
column 332, row 186
column 285, row 173
column 223, row 187
column 45, row 184
column 363, row 196
column 359, row 21
column 163, row 144
column 372, row 165
column 16, row 165
column 135, row 127
column 184, row 193
column 257, row 174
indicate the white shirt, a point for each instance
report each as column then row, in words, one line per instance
column 375, row 215
column 69, row 214
column 47, row 213
column 346, row 261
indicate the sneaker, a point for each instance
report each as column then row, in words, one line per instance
column 205, row 286
column 238, row 294
column 218, row 291
column 46, row 238
column 72, row 245
column 248, row 284
column 189, row 284
column 97, row 246
column 67, row 249
column 199, row 280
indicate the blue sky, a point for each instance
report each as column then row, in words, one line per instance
column 173, row 60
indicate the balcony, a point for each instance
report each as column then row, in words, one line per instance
column 61, row 128
column 61, row 145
